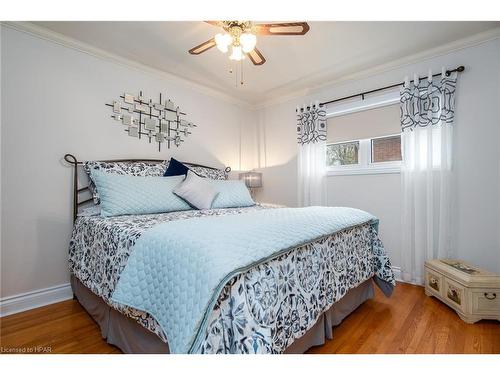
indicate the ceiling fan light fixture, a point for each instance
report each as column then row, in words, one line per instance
column 248, row 42
column 223, row 41
column 237, row 53
column 241, row 36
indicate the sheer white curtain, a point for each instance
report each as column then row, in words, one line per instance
column 427, row 115
column 311, row 137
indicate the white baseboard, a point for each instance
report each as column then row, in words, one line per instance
column 397, row 273
column 37, row 298
column 397, row 276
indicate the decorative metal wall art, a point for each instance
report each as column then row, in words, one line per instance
column 160, row 122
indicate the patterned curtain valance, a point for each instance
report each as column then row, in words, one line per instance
column 429, row 102
column 311, row 124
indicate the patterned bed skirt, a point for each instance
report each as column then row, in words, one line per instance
column 132, row 338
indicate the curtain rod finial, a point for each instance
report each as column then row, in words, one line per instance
column 460, row 69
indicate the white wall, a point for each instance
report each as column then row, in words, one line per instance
column 52, row 104
column 476, row 164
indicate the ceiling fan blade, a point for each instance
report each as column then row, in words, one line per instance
column 214, row 23
column 202, row 47
column 256, row 56
column 291, row 28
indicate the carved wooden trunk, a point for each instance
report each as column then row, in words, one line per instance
column 472, row 292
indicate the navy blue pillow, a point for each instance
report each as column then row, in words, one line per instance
column 175, row 168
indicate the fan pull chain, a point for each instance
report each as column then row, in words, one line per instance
column 233, row 68
column 236, row 76
column 241, row 72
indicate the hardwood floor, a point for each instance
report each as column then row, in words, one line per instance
column 408, row 322
column 63, row 327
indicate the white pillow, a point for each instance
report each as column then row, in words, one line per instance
column 197, row 191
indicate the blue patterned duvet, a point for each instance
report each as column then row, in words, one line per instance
column 271, row 301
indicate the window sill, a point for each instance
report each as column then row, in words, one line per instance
column 363, row 171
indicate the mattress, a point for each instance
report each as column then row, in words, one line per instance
column 262, row 310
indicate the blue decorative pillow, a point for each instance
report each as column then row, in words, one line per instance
column 134, row 195
column 134, row 168
column 232, row 193
column 176, row 168
column 179, row 168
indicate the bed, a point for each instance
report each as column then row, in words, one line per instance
column 283, row 293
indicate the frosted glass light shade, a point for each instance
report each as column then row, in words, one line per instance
column 223, row 41
column 248, row 42
column 237, row 53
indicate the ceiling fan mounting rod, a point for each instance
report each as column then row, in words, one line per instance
column 236, row 29
column 242, row 25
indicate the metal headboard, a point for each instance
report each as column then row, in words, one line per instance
column 71, row 159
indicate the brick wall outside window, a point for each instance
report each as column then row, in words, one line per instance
column 386, row 149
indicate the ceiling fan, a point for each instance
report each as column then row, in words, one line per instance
column 241, row 37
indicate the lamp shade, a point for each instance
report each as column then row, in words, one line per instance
column 252, row 179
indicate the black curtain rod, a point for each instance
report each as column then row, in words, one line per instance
column 460, row 69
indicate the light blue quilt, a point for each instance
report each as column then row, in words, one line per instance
column 177, row 269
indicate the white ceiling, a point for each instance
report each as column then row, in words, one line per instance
column 329, row 51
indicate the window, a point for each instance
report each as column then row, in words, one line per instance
column 364, row 142
column 386, row 149
column 342, row 153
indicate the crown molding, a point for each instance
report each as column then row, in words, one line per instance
column 444, row 49
column 65, row 41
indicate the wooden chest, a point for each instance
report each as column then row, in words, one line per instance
column 472, row 292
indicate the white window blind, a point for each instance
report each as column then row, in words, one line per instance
column 370, row 123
